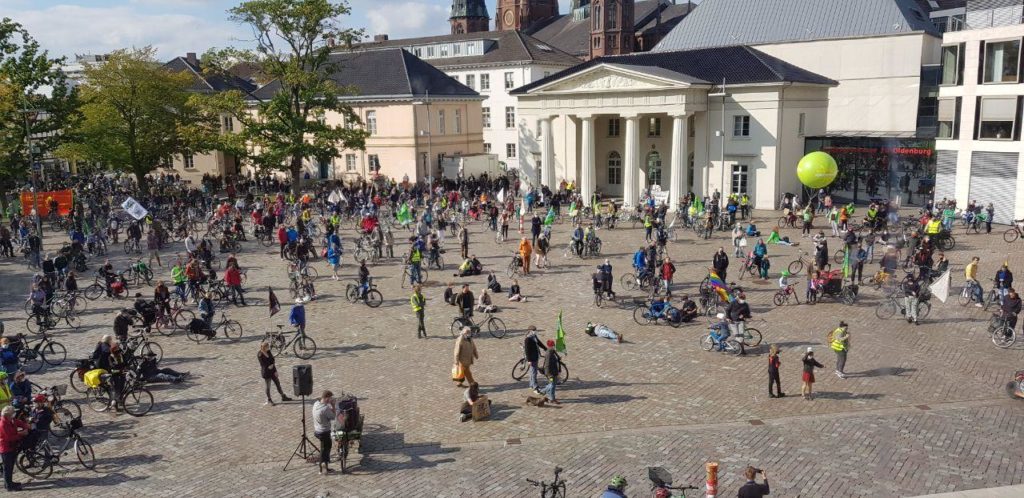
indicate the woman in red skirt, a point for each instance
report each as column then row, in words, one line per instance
column 808, row 379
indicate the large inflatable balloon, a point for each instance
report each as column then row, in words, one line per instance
column 817, row 170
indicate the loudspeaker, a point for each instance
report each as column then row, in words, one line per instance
column 302, row 380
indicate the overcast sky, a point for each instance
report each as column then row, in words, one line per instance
column 174, row 27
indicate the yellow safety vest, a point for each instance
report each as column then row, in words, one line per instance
column 416, row 257
column 934, row 227
column 417, row 301
column 837, row 345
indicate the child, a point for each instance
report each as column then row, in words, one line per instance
column 784, row 279
column 765, row 265
column 720, row 331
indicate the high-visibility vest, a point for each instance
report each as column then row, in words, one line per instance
column 838, row 345
column 417, row 301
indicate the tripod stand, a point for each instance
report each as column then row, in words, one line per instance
column 303, row 450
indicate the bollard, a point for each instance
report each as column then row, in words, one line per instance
column 712, row 480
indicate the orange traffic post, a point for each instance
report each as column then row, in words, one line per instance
column 712, row 480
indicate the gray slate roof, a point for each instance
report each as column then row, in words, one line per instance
column 509, row 47
column 738, row 65
column 209, row 83
column 573, row 37
column 387, row 74
column 719, row 23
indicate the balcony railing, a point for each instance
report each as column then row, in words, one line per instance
column 987, row 18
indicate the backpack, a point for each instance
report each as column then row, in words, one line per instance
column 348, row 413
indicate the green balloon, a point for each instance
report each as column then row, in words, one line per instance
column 817, row 170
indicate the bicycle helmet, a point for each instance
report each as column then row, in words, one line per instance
column 3, row 375
column 39, row 398
column 720, row 316
column 617, row 482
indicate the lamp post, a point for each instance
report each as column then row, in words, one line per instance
column 723, row 95
column 429, row 171
column 32, row 167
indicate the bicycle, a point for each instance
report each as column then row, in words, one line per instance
column 407, row 275
column 553, row 489
column 230, row 328
column 662, row 480
column 495, row 326
column 644, row 282
column 888, row 308
column 39, row 323
column 139, row 344
column 178, row 318
column 372, row 297
column 782, row 296
column 642, row 316
column 64, row 410
column 1003, row 335
column 515, row 267
column 1014, row 232
column 45, row 351
column 522, row 367
column 302, row 345
column 797, row 265
column 39, row 460
column 967, row 295
column 136, row 399
column 708, row 342
column 132, row 246
column 138, row 272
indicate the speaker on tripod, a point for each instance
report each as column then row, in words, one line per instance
column 302, row 383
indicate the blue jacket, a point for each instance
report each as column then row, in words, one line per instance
column 639, row 259
column 293, row 235
column 613, row 493
column 298, row 315
column 760, row 250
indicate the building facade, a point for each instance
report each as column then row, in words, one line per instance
column 981, row 101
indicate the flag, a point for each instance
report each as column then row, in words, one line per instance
column 550, row 218
column 940, row 288
column 560, row 336
column 404, row 217
column 275, row 305
column 133, row 208
column 719, row 286
column 572, row 208
column 846, row 262
column 698, row 204
column 501, row 196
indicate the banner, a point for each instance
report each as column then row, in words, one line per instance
column 64, row 200
column 132, row 207
column 940, row 288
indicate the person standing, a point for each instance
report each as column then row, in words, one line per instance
column 668, row 270
column 720, row 263
column 552, row 365
column 773, row 373
column 525, row 251
column 12, row 431
column 465, row 355
column 752, row 489
column 233, row 280
column 464, row 241
column 806, row 389
column 153, row 246
column 839, row 340
column 535, row 224
column 531, row 349
column 323, row 415
column 912, row 289
column 268, row 370
column 418, row 302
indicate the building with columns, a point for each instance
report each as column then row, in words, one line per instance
column 620, row 125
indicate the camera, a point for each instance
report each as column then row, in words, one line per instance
column 758, row 471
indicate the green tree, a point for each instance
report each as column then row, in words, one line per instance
column 293, row 40
column 137, row 114
column 29, row 80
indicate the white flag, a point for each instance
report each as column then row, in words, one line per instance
column 501, row 196
column 940, row 288
column 134, row 208
column 334, row 198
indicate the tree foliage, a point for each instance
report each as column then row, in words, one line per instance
column 137, row 114
column 29, row 80
column 293, row 40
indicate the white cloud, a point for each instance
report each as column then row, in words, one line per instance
column 407, row 19
column 69, row 29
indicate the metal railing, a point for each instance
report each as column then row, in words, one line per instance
column 987, row 18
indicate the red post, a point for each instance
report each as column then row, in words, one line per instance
column 712, row 480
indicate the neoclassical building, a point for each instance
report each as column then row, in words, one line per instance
column 654, row 120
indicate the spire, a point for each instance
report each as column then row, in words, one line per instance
column 469, row 16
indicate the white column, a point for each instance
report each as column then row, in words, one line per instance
column 587, row 160
column 680, row 159
column 547, row 153
column 631, row 163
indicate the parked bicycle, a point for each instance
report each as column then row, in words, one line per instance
column 553, row 489
column 39, row 460
column 495, row 326
column 33, row 356
column 661, row 483
column 136, row 399
column 782, row 296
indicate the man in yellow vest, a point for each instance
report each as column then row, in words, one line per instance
column 934, row 226
column 418, row 302
column 839, row 340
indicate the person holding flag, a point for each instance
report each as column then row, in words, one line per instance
column 552, row 365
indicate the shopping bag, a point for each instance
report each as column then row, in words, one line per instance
column 457, row 374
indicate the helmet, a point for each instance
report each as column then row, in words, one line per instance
column 3, row 375
column 720, row 316
column 617, row 482
column 662, row 493
column 39, row 398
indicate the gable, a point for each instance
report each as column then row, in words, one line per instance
column 604, row 78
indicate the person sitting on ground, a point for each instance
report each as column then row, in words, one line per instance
column 688, row 309
column 449, row 295
column 492, row 283
column 515, row 293
column 484, row 302
column 752, row 230
column 775, row 238
column 472, row 396
column 149, row 371
column 471, row 266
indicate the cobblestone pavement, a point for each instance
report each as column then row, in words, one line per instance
column 924, row 409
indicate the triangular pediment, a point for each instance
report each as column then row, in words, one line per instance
column 607, row 77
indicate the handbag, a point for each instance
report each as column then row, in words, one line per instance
column 457, row 374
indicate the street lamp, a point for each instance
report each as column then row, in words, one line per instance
column 430, row 170
column 723, row 95
column 35, row 188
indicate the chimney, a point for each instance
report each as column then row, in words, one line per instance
column 380, row 38
column 191, row 59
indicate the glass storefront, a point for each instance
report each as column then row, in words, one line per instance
column 876, row 168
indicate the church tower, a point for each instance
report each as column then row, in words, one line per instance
column 469, row 16
column 514, row 15
column 611, row 27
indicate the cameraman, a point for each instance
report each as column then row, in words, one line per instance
column 752, row 489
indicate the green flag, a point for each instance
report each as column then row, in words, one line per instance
column 550, row 218
column 846, row 262
column 404, row 217
column 698, row 204
column 560, row 337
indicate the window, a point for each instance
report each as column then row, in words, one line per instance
column 596, row 14
column 471, row 49
column 485, row 82
column 952, row 65
column 613, row 127
column 350, row 162
column 457, row 49
column 1001, row 61
column 509, row 81
column 487, row 148
column 440, row 122
column 613, row 42
column 613, row 13
column 471, row 80
column 739, row 179
column 510, row 150
column 741, row 126
column 997, row 118
column 597, row 42
column 229, row 123
column 430, row 51
column 458, row 121
column 653, row 168
column 486, row 115
column 614, row 169
column 510, row 117
column 188, row 160
column 949, row 118
column 418, row 52
column 802, row 125
column 371, row 122
column 444, row 50
column 654, row 127
column 374, row 162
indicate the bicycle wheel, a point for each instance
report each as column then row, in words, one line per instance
column 520, row 369
column 98, row 399
column 886, row 309
column 707, row 343
column 847, row 297
column 964, row 298
column 195, row 336
column 138, row 401
column 68, row 408
column 563, row 374
column 751, row 337
column 32, row 323
column 231, row 329
column 310, row 272
column 76, row 382
column 641, row 316
column 990, row 298
column 73, row 321
column 277, row 343
column 351, row 293
column 374, row 298
column 343, row 453
column 795, row 267
column 86, row 456
column 35, row 463
column 31, row 361
column 1004, row 337
column 783, row 221
column 1011, row 235
column 150, row 347
column 93, row 292
column 839, row 256
column 304, row 347
column 675, row 317
column 457, row 324
column 628, row 281
column 496, row 327
column 598, row 299
column 779, row 299
column 182, row 318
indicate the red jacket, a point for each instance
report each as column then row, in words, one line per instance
column 9, row 435
column 282, row 235
column 668, row 270
column 232, row 276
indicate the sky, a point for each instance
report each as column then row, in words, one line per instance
column 175, row 27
